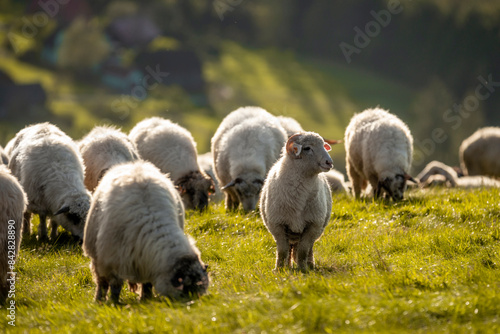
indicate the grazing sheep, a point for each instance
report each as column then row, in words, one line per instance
column 4, row 159
column 290, row 125
column 379, row 148
column 480, row 153
column 245, row 146
column 336, row 181
column 13, row 203
column 134, row 232
column 48, row 165
column 101, row 149
column 296, row 201
column 173, row 150
column 206, row 163
column 437, row 173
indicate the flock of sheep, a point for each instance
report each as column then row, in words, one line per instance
column 126, row 195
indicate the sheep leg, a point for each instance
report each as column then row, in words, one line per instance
column 53, row 230
column 116, row 287
column 42, row 227
column 310, row 259
column 102, row 289
column 282, row 251
column 305, row 257
column 27, row 223
column 231, row 202
column 356, row 180
column 146, row 291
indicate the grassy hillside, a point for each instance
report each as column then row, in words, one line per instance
column 429, row 264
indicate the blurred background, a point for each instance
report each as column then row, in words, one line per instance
column 80, row 63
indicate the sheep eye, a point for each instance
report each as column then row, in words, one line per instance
column 307, row 148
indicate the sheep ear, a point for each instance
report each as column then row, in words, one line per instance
column 327, row 147
column 64, row 209
column 408, row 177
column 292, row 148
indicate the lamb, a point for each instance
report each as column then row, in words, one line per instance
column 437, row 173
column 296, row 201
column 245, row 146
column 13, row 203
column 134, row 232
column 50, row 169
column 290, row 125
column 336, row 181
column 101, row 149
column 173, row 150
column 4, row 159
column 379, row 149
column 206, row 163
column 479, row 154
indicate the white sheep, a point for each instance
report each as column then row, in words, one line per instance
column 48, row 165
column 480, row 153
column 291, row 125
column 4, row 159
column 172, row 149
column 336, row 181
column 134, row 232
column 296, row 201
column 437, row 173
column 101, row 149
column 13, row 203
column 245, row 146
column 206, row 163
column 379, row 149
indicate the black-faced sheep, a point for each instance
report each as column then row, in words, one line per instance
column 245, row 146
column 379, row 149
column 206, row 163
column 101, row 149
column 49, row 167
column 480, row 153
column 13, row 203
column 134, row 232
column 296, row 201
column 172, row 149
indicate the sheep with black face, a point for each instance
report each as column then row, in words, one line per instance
column 296, row 200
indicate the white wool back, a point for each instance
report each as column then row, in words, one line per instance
column 101, row 149
column 50, row 169
column 167, row 145
column 290, row 125
column 135, row 225
column 479, row 154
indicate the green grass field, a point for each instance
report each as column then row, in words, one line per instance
column 428, row 264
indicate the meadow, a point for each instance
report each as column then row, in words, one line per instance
column 427, row 264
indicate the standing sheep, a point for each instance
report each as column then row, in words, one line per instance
column 480, row 153
column 245, row 146
column 379, row 149
column 134, row 232
column 172, row 149
column 296, row 201
column 49, row 167
column 101, row 149
column 13, row 203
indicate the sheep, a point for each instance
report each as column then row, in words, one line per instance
column 479, row 154
column 49, row 166
column 245, row 146
column 296, row 200
column 13, row 203
column 101, row 149
column 173, row 150
column 134, row 232
column 379, row 148
column 437, row 173
column 206, row 163
column 336, row 181
column 4, row 159
column 290, row 125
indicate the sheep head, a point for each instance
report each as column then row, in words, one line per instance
column 73, row 213
column 194, row 188
column 247, row 188
column 394, row 186
column 312, row 149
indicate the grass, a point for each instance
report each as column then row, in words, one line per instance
column 429, row 264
